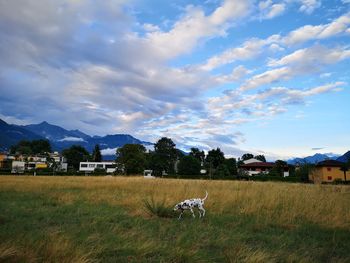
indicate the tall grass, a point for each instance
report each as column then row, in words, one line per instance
column 130, row 219
column 159, row 209
column 326, row 205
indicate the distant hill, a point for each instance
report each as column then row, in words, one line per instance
column 344, row 158
column 61, row 138
column 11, row 134
column 318, row 157
column 53, row 132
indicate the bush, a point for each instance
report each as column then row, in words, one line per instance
column 99, row 171
column 157, row 208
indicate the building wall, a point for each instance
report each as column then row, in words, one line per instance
column 3, row 160
column 328, row 175
column 90, row 166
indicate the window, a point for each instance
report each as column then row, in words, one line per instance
column 83, row 165
column 329, row 169
column 91, row 165
column 100, row 166
column 329, row 178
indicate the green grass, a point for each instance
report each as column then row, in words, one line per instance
column 37, row 226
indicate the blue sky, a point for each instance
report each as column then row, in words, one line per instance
column 267, row 77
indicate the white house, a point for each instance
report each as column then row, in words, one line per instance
column 89, row 167
column 18, row 167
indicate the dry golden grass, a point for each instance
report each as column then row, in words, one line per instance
column 278, row 202
column 55, row 248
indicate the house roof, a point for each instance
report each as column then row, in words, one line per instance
column 328, row 163
column 252, row 160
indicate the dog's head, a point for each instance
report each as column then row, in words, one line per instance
column 177, row 207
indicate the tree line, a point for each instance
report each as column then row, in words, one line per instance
column 165, row 159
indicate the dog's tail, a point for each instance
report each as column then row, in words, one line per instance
column 206, row 195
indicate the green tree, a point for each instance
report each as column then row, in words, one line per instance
column 231, row 165
column 260, row 158
column 344, row 168
column 215, row 157
column 302, row 171
column 189, row 165
column 52, row 164
column 164, row 156
column 76, row 154
column 199, row 155
column 213, row 160
column 222, row 171
column 41, row 146
column 96, row 154
column 278, row 168
column 247, row 156
column 31, row 147
column 132, row 157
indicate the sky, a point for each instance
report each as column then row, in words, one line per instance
column 266, row 77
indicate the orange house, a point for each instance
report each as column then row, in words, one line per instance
column 328, row 171
column 3, row 160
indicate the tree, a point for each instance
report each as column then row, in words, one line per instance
column 260, row 158
column 222, row 171
column 31, row 147
column 344, row 168
column 302, row 171
column 199, row 155
column 164, row 156
column 189, row 165
column 247, row 156
column 52, row 164
column 278, row 168
column 231, row 165
column 96, row 154
column 132, row 157
column 41, row 146
column 214, row 159
column 76, row 154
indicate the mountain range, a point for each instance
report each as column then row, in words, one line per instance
column 61, row 138
column 318, row 157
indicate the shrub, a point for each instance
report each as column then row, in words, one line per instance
column 158, row 209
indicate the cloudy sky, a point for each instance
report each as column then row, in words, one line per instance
column 268, row 77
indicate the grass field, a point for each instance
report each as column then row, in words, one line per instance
column 104, row 219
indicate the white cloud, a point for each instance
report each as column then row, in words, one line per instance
column 300, row 62
column 308, row 6
column 72, row 139
column 309, row 32
column 247, row 50
column 150, row 28
column 269, row 10
column 109, row 151
column 316, row 55
column 194, row 26
column 237, row 73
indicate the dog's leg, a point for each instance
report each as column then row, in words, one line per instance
column 192, row 213
column 203, row 211
column 182, row 211
column 199, row 211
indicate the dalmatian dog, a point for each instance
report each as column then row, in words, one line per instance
column 190, row 204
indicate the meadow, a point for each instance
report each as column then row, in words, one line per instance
column 105, row 219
